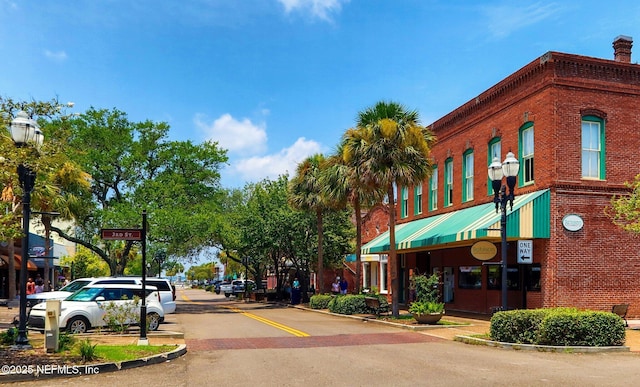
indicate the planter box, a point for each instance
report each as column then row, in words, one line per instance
column 430, row 318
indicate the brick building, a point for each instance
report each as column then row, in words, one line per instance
column 572, row 122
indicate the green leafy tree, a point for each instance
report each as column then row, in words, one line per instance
column 397, row 153
column 133, row 167
column 343, row 183
column 306, row 193
column 85, row 264
column 59, row 180
column 625, row 209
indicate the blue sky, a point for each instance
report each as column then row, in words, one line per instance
column 274, row 81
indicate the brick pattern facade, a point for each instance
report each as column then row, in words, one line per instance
column 597, row 266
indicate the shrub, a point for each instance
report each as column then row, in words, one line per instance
column 65, row 341
column 119, row 317
column 87, row 350
column 348, row 304
column 558, row 326
column 427, row 307
column 9, row 336
column 320, row 301
column 583, row 328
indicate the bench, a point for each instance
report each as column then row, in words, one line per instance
column 621, row 310
column 373, row 303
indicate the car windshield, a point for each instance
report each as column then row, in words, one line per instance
column 75, row 285
column 86, row 294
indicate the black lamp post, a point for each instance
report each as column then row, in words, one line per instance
column 25, row 131
column 509, row 169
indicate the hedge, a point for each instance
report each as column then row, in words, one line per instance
column 558, row 326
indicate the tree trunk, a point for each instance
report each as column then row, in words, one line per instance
column 393, row 259
column 46, row 221
column 356, row 206
column 12, row 270
column 320, row 254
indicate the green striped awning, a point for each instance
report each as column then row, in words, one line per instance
column 530, row 218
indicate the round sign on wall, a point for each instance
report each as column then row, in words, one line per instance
column 484, row 250
column 572, row 222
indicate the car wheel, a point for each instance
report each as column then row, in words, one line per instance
column 77, row 325
column 227, row 295
column 153, row 321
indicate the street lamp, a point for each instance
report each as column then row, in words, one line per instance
column 24, row 131
column 509, row 169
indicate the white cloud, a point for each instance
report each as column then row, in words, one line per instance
column 56, row 56
column 321, row 9
column 505, row 19
column 243, row 137
column 271, row 166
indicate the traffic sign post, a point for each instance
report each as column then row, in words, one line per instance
column 115, row 234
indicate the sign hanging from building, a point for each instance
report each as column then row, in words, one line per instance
column 484, row 250
column 525, row 252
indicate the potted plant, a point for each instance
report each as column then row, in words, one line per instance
column 427, row 308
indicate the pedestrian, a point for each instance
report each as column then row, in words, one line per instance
column 295, row 292
column 335, row 286
column 344, row 285
column 31, row 286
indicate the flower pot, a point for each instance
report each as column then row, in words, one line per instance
column 428, row 318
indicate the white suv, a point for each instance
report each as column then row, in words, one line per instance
column 164, row 287
column 85, row 309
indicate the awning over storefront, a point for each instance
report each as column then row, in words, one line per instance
column 530, row 218
column 17, row 259
column 363, row 258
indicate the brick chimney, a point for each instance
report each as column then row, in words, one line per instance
column 622, row 49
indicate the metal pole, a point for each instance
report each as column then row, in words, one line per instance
column 143, row 307
column 503, row 235
column 27, row 179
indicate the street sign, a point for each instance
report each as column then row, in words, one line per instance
column 121, row 234
column 525, row 251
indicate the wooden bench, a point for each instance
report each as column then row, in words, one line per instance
column 621, row 310
column 373, row 303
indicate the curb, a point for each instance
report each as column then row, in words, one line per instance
column 539, row 348
column 54, row 371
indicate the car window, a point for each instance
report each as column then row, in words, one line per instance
column 116, row 281
column 159, row 284
column 86, row 294
column 112, row 294
column 75, row 285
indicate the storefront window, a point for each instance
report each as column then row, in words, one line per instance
column 494, row 277
column 383, row 274
column 533, row 277
column 470, row 277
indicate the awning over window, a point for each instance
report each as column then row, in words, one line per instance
column 18, row 261
column 363, row 258
column 529, row 219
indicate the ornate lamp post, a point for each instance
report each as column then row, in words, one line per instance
column 25, row 131
column 509, row 169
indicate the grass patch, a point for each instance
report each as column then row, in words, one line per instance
column 129, row 352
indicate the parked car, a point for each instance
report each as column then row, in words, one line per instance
column 217, row 286
column 166, row 290
column 84, row 309
column 235, row 287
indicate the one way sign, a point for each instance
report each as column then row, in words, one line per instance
column 525, row 251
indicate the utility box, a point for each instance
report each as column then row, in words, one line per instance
column 51, row 326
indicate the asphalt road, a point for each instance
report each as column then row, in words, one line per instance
column 236, row 344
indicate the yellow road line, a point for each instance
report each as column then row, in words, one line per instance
column 274, row 324
column 263, row 320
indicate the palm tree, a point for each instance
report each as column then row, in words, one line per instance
column 305, row 193
column 343, row 183
column 396, row 152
